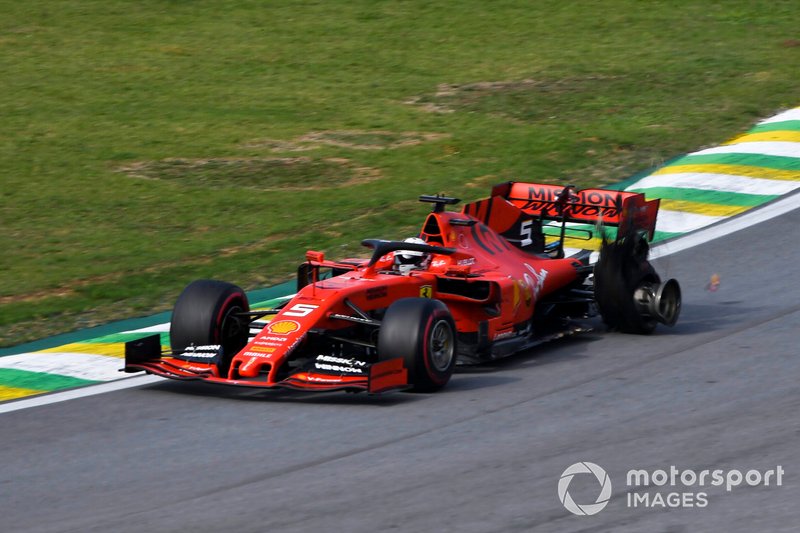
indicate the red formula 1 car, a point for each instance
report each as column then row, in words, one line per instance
column 473, row 286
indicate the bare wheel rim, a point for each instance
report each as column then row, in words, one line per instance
column 441, row 346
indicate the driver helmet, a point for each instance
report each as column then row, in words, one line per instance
column 407, row 260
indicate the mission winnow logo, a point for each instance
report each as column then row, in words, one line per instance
column 661, row 488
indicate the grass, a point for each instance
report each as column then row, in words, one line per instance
column 143, row 145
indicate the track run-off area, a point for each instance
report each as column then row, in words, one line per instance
column 716, row 392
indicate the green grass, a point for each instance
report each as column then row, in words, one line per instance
column 259, row 129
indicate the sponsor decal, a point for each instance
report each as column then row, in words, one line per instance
column 256, row 354
column 283, row 327
column 604, row 203
column 461, row 262
column 488, row 239
column 204, row 348
column 332, row 363
column 323, row 380
column 342, row 360
column 505, row 335
column 268, row 343
column 338, row 368
column 426, row 291
column 374, row 293
column 262, row 349
column 199, row 353
column 537, row 281
column 193, row 368
column 266, row 340
column 297, row 341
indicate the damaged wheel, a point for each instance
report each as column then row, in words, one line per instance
column 629, row 293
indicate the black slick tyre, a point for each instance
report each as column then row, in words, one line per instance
column 205, row 314
column 423, row 333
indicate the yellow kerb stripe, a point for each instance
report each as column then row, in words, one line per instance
column 111, row 349
column 734, row 170
column 773, row 136
column 592, row 244
column 11, row 393
column 701, row 208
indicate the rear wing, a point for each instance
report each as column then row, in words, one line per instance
column 626, row 210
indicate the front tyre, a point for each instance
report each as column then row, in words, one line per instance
column 206, row 313
column 423, row 333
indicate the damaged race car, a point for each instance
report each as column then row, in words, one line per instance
column 473, row 286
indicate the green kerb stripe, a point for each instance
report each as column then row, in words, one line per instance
column 753, row 160
column 11, row 377
column 126, row 337
column 787, row 125
column 269, row 304
column 707, row 197
column 610, row 231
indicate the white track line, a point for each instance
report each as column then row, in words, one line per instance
column 697, row 238
column 83, row 392
column 76, row 365
column 779, row 148
column 732, row 225
column 792, row 114
column 709, row 181
column 683, row 222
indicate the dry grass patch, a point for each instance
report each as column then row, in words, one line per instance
column 524, row 100
column 262, row 173
column 350, row 139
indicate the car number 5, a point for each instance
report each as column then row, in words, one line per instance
column 300, row 310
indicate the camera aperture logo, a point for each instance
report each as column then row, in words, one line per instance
column 586, row 509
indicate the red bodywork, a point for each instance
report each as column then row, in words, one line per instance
column 490, row 284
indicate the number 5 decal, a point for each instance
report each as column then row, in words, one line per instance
column 525, row 233
column 300, row 310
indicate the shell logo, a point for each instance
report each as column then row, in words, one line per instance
column 283, row 327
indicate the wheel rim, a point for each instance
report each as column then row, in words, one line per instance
column 231, row 329
column 441, row 347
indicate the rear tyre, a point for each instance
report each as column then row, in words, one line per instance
column 423, row 333
column 205, row 314
column 621, row 269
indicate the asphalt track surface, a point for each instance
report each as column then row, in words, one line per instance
column 720, row 390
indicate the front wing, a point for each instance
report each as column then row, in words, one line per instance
column 145, row 355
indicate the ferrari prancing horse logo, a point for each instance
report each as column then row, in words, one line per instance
column 426, row 291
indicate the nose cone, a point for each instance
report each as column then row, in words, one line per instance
column 250, row 367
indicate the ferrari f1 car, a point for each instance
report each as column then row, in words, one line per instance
column 473, row 286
